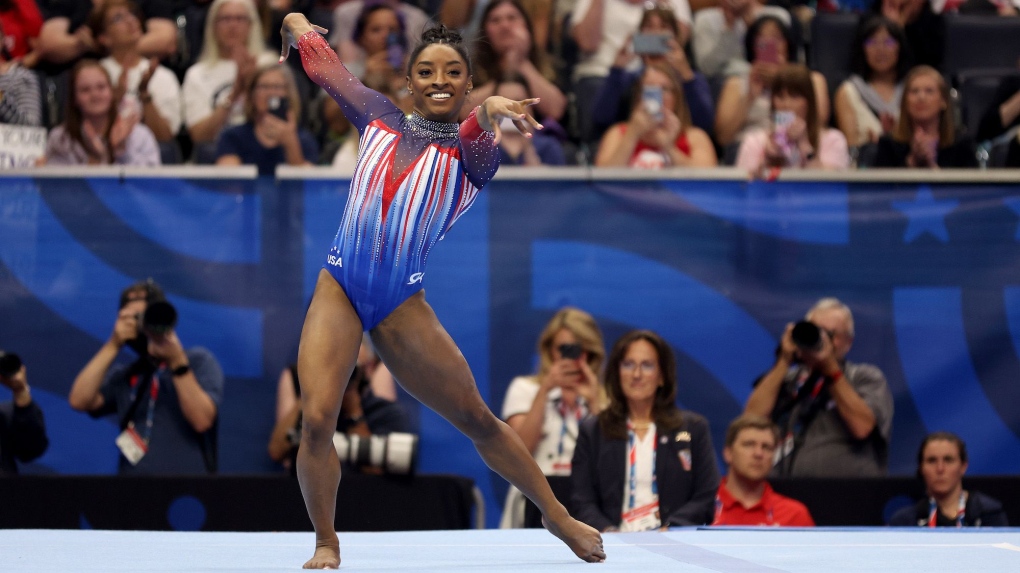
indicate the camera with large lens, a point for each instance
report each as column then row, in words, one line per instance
column 160, row 317
column 395, row 453
column 807, row 336
column 10, row 364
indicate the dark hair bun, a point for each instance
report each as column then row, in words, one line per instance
column 441, row 35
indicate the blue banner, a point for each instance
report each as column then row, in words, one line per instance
column 931, row 271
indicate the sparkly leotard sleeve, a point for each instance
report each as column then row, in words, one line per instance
column 413, row 180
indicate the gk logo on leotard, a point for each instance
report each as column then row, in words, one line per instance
column 416, row 278
column 335, row 261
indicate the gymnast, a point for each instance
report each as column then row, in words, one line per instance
column 415, row 176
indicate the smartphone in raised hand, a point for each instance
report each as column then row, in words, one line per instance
column 395, row 51
column 651, row 99
column 651, row 44
column 279, row 106
column 766, row 50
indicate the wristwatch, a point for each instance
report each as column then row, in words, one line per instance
column 181, row 370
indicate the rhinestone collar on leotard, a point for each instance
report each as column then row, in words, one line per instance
column 432, row 129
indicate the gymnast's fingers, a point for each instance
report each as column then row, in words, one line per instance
column 496, row 131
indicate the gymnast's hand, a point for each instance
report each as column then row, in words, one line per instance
column 294, row 26
column 495, row 108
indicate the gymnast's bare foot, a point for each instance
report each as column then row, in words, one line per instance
column 327, row 555
column 585, row 541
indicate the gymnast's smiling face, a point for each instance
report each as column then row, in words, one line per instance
column 439, row 83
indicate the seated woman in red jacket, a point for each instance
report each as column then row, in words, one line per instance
column 659, row 132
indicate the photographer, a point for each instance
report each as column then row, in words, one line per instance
column 22, row 428
column 166, row 401
column 834, row 415
column 362, row 414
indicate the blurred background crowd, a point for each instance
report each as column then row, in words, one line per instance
column 623, row 83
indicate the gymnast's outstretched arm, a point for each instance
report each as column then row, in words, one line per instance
column 360, row 104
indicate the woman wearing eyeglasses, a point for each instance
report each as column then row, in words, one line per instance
column 868, row 102
column 214, row 88
column 547, row 408
column 643, row 464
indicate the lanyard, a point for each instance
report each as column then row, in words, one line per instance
column 632, row 462
column 564, row 410
column 961, row 510
column 151, row 410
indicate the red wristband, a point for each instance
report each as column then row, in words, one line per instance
column 835, row 377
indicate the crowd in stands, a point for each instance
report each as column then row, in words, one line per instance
column 635, row 461
column 622, row 83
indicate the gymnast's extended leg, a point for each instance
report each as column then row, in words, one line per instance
column 327, row 354
column 427, row 363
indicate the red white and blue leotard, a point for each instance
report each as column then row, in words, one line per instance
column 413, row 180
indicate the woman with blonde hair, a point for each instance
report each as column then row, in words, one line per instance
column 545, row 409
column 271, row 135
column 214, row 87
column 925, row 134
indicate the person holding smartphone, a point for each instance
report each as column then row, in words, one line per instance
column 745, row 101
column 546, row 408
column 718, row 33
column 795, row 138
column 658, row 132
column 379, row 33
column 270, row 136
column 657, row 41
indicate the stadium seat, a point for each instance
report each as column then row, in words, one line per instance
column 832, row 39
column 976, row 88
column 980, row 42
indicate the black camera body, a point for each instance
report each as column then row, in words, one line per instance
column 807, row 336
column 571, row 351
column 160, row 317
column 10, row 364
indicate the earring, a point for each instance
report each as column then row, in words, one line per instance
column 410, row 91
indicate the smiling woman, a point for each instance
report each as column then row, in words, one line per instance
column 642, row 463
column 94, row 133
column 416, row 175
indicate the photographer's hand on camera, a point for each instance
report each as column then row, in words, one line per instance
column 823, row 360
column 18, row 385
column 85, row 393
column 196, row 405
column 787, row 351
column 167, row 348
column 125, row 328
column 766, row 392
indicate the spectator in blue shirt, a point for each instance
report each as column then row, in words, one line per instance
column 271, row 135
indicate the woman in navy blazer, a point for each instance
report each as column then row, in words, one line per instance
column 641, row 381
